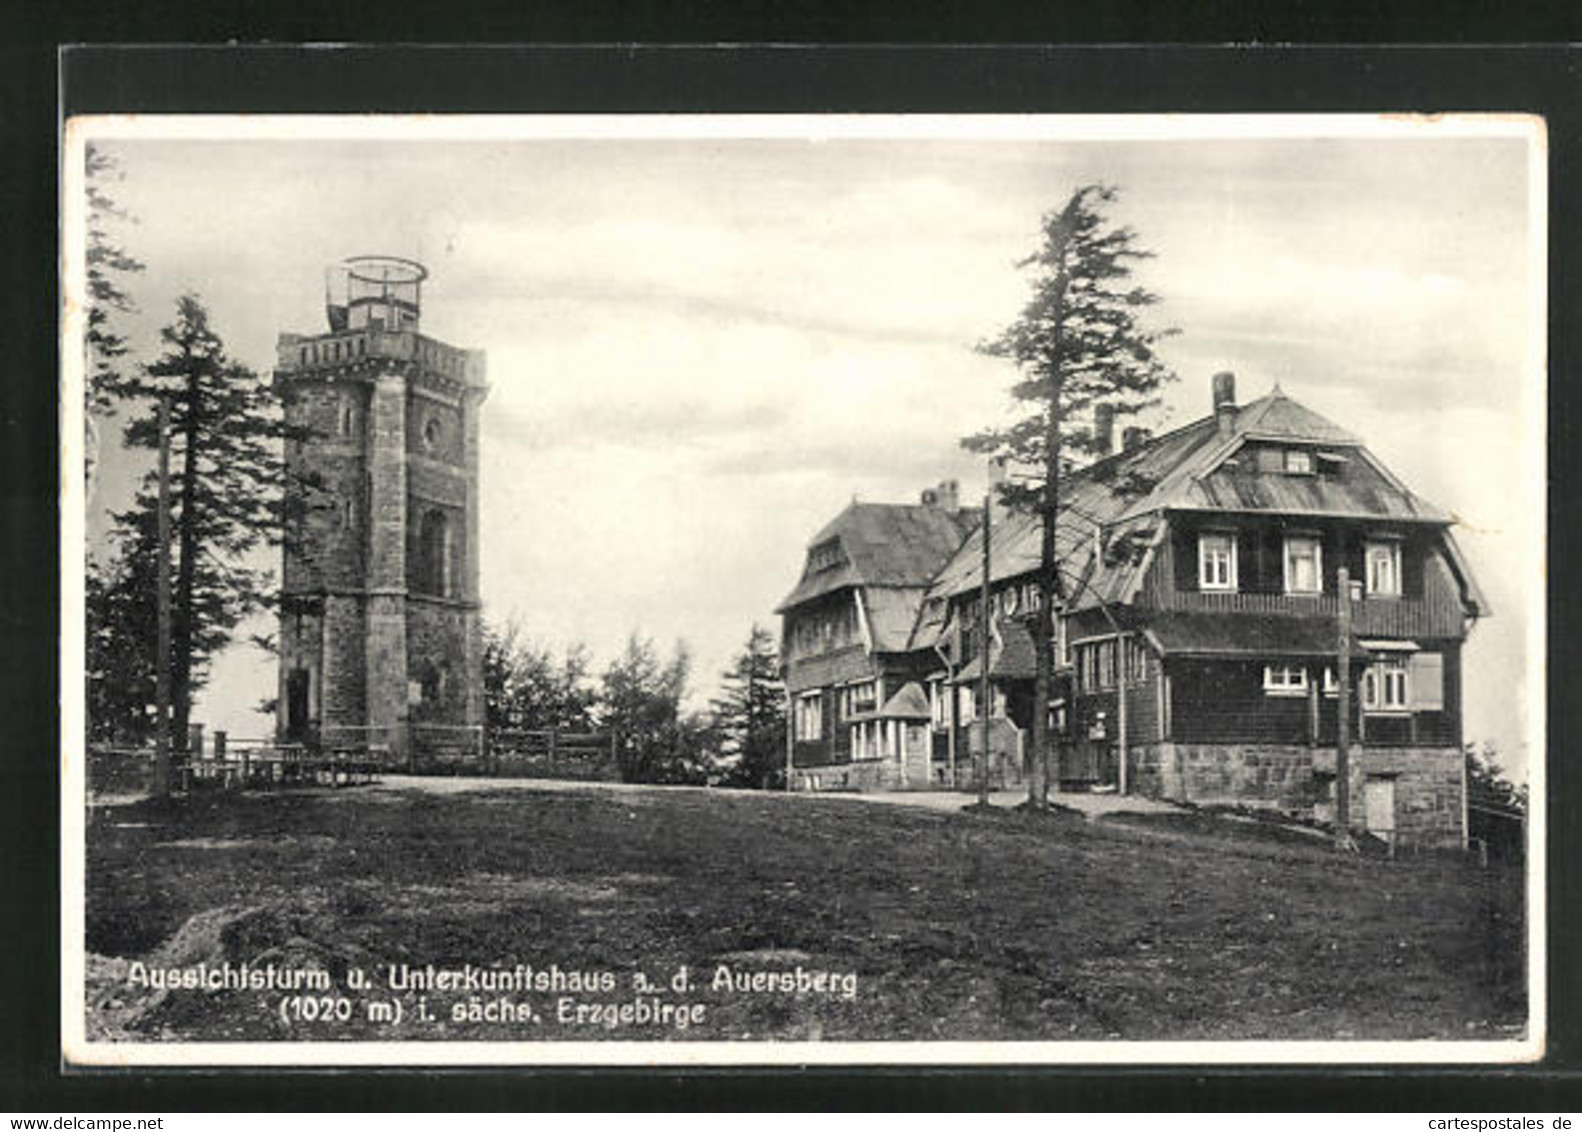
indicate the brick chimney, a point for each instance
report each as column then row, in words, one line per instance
column 1104, row 429
column 998, row 471
column 1225, row 403
column 1134, row 435
column 949, row 495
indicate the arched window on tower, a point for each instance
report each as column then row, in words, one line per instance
column 434, row 557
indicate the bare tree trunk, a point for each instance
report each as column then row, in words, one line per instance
column 186, row 570
column 1044, row 638
column 1048, row 563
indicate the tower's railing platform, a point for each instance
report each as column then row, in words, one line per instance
column 338, row 349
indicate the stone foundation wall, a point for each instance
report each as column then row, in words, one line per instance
column 1300, row 780
column 865, row 776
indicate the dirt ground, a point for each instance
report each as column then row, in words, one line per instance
column 793, row 918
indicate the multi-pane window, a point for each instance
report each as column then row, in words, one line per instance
column 1136, row 665
column 1384, row 568
column 1385, row 686
column 824, row 556
column 1303, row 565
column 1099, row 663
column 1284, row 679
column 939, row 704
column 859, row 699
column 1299, row 461
column 1216, row 561
column 810, row 717
column 1106, row 664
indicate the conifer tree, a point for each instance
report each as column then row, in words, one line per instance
column 107, row 264
column 751, row 715
column 1078, row 343
column 226, row 491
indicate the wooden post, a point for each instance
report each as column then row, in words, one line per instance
column 790, row 739
column 1343, row 717
column 1122, row 649
column 162, row 587
column 983, row 661
column 948, row 690
column 1312, row 711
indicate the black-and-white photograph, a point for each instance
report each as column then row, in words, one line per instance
column 694, row 590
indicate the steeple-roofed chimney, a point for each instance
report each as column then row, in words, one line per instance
column 1225, row 403
column 1104, row 429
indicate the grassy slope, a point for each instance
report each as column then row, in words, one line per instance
column 959, row 926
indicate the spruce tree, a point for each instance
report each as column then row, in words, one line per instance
column 226, row 490
column 750, row 715
column 107, row 264
column 1078, row 343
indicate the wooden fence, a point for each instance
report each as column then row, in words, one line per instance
column 345, row 754
column 550, row 753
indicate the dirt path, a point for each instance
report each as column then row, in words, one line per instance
column 1091, row 805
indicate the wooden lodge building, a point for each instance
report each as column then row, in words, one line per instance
column 1197, row 641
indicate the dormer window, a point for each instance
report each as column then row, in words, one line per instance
column 1298, row 462
column 826, row 555
column 1216, row 561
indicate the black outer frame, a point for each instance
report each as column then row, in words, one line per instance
column 1540, row 80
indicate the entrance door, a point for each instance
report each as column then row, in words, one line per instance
column 1379, row 801
column 297, row 703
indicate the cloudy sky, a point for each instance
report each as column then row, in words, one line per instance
column 702, row 347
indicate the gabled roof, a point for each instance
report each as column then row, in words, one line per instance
column 1203, row 476
column 892, row 611
column 883, row 544
column 1127, row 495
column 1012, row 654
column 910, row 702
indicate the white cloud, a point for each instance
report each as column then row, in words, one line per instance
column 699, row 352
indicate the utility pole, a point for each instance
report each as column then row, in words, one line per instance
column 1343, row 718
column 983, row 660
column 162, row 584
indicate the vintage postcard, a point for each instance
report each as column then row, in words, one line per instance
column 669, row 590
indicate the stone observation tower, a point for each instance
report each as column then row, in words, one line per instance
column 380, row 641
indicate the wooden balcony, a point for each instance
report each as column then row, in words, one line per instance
column 1378, row 616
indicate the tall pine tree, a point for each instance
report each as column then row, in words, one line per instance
column 750, row 715
column 108, row 263
column 226, row 497
column 1078, row 343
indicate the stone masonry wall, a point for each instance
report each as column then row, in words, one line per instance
column 437, row 639
column 1300, row 780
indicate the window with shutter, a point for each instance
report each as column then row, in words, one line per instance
column 1428, row 681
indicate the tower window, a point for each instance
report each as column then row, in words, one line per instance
column 434, row 557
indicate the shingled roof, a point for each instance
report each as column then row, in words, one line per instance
column 883, row 544
column 1188, row 469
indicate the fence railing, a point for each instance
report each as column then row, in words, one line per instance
column 357, row 752
column 551, row 753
